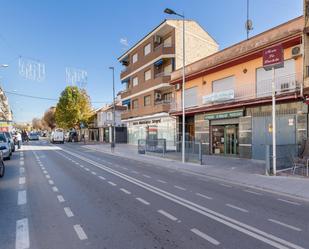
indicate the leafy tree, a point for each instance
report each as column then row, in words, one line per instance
column 37, row 124
column 49, row 118
column 73, row 108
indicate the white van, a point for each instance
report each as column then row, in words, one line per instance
column 57, row 136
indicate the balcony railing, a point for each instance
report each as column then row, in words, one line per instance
column 162, row 74
column 247, row 91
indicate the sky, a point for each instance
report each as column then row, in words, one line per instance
column 91, row 35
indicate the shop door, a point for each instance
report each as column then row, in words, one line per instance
column 230, row 137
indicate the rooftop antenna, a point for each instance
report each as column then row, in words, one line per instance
column 248, row 24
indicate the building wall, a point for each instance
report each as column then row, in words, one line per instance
column 198, row 43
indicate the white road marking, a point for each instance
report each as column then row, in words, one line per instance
column 167, row 215
column 55, row 189
column 22, row 234
column 22, row 163
column 68, row 212
column 82, row 166
column 60, row 198
column 51, row 182
column 80, row 232
column 22, row 197
column 125, row 168
column 22, row 180
column 147, row 176
column 285, row 225
column 235, row 224
column 252, row 192
column 113, row 184
column 21, row 170
column 237, row 208
column 47, row 176
column 102, row 177
column 290, row 202
column 76, row 163
column 178, row 187
column 161, row 181
column 125, row 191
column 204, row 196
column 94, row 173
column 225, row 185
column 87, row 169
column 142, row 201
column 205, row 236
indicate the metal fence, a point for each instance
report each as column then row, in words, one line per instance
column 171, row 149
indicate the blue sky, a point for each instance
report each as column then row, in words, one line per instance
column 87, row 34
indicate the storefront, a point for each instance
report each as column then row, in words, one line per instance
column 152, row 127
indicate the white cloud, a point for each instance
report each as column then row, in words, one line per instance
column 124, row 41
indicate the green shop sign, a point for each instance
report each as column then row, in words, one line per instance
column 222, row 115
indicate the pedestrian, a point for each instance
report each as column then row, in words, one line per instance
column 19, row 139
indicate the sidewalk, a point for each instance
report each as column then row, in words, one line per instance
column 239, row 171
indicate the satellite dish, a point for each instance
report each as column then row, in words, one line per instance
column 249, row 25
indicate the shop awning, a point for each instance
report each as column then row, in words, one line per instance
column 126, row 102
column 158, row 62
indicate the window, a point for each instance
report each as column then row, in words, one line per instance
column 135, row 104
column 109, row 116
column 191, row 97
column 168, row 69
column 135, row 81
column 148, row 75
column 167, row 42
column 167, row 97
column 223, row 84
column 147, row 100
column 134, row 58
column 147, row 49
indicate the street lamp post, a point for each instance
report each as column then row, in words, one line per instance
column 172, row 12
column 113, row 129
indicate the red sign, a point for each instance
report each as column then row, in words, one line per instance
column 273, row 57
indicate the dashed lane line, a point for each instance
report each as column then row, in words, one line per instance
column 22, row 180
column 147, row 176
column 55, row 189
column 102, row 177
column 178, row 187
column 68, row 212
column 22, row 234
column 237, row 208
column 161, row 181
column 80, row 232
column 252, row 192
column 51, row 182
column 125, row 191
column 290, row 202
column 47, row 176
column 225, row 185
column 22, row 197
column 205, row 236
column 21, row 170
column 111, row 183
column 60, row 198
column 167, row 215
column 204, row 196
column 285, row 225
column 94, row 173
column 142, row 201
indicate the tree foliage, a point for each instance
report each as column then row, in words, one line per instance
column 49, row 118
column 37, row 124
column 73, row 108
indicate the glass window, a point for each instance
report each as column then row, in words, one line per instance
column 148, row 75
column 135, row 58
column 135, row 104
column 191, row 97
column 223, row 84
column 147, row 49
column 147, row 100
column 168, row 42
column 167, row 97
column 168, row 69
column 135, row 81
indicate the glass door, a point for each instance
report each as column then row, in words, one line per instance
column 231, row 140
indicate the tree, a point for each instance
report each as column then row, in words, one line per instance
column 37, row 124
column 49, row 118
column 73, row 108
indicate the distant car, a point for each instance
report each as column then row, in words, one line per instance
column 2, row 167
column 11, row 140
column 57, row 136
column 5, row 146
column 34, row 136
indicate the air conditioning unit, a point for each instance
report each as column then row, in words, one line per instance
column 296, row 51
column 177, row 87
column 157, row 96
column 157, row 39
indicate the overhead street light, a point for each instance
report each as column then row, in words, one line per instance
column 172, row 12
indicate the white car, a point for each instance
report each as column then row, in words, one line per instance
column 5, row 146
column 57, row 136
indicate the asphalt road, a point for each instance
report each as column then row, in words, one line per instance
column 67, row 196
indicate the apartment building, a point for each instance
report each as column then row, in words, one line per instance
column 147, row 67
column 228, row 96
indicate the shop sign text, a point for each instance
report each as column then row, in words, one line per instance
column 153, row 121
column 223, row 115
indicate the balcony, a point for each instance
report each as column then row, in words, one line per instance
column 284, row 85
column 159, row 106
column 142, row 60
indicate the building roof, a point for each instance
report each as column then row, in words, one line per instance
column 246, row 49
column 109, row 107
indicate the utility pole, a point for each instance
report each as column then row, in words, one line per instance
column 114, row 120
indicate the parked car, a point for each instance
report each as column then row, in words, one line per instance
column 2, row 167
column 11, row 140
column 57, row 136
column 34, row 136
column 5, row 146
